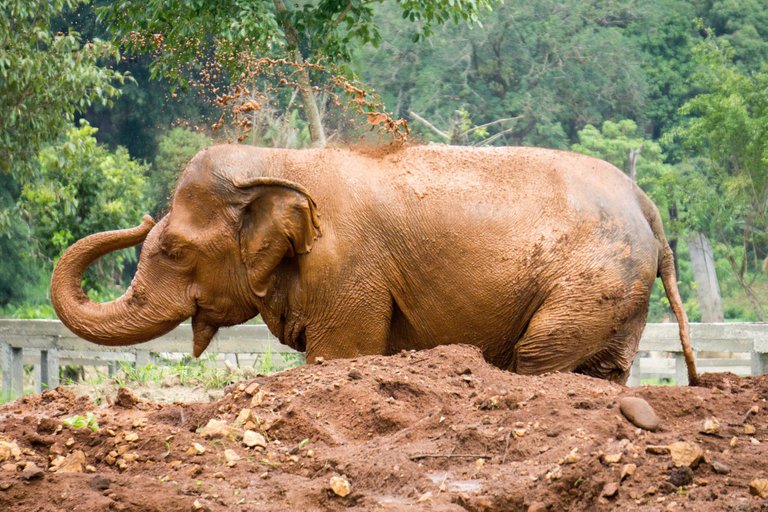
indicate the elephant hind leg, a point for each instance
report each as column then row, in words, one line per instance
column 614, row 362
column 583, row 337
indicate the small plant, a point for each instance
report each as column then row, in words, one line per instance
column 87, row 421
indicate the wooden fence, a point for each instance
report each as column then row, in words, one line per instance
column 741, row 348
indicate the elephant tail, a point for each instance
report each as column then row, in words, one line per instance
column 666, row 272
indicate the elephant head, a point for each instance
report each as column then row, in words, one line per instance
column 212, row 257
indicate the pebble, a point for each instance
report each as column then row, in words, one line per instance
column 628, row 470
column 680, row 476
column 340, row 485
column 711, row 426
column 32, row 472
column 612, row 458
column 251, row 439
column 610, row 490
column 749, row 429
column 196, row 449
column 215, row 428
column 685, row 454
column 8, row 450
column 73, row 463
column 639, row 413
column 759, row 487
column 231, row 456
column 720, row 468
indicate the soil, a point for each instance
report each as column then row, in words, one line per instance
column 433, row 430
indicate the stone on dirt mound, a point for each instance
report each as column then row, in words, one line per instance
column 639, row 413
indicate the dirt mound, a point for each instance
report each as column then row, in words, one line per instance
column 432, row 430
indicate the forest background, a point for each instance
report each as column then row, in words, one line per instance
column 104, row 102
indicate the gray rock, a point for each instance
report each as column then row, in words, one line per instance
column 639, row 413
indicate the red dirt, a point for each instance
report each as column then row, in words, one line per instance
column 432, row 430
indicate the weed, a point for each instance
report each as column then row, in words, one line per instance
column 87, row 421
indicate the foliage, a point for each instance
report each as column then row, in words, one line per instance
column 83, row 188
column 553, row 65
column 728, row 125
column 87, row 421
column 44, row 79
column 301, row 35
column 175, row 148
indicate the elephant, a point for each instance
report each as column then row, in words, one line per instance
column 543, row 259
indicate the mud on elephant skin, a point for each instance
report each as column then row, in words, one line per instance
column 543, row 259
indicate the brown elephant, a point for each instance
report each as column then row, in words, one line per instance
column 543, row 259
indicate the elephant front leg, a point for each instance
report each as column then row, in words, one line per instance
column 362, row 331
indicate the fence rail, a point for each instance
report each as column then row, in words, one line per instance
column 741, row 348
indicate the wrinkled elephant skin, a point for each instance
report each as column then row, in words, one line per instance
column 543, row 259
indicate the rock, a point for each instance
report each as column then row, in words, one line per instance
column 572, row 457
column 628, row 470
column 340, row 485
column 354, row 374
column 720, row 468
column 8, row 450
column 749, row 429
column 425, row 497
column 252, row 388
column 612, row 458
column 759, row 487
column 685, row 454
column 243, row 417
column 537, row 506
column 73, row 463
column 680, row 476
column 252, row 439
column 126, row 399
column 639, row 413
column 215, row 429
column 9, row 468
column 231, row 457
column 610, row 490
column 196, row 449
column 711, row 426
column 32, row 472
column 656, row 449
column 131, row 437
column 100, row 483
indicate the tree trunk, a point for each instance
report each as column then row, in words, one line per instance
column 632, row 157
column 308, row 98
column 707, row 285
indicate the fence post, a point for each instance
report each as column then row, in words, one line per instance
column 143, row 358
column 13, row 370
column 681, row 370
column 49, row 369
column 634, row 372
column 759, row 362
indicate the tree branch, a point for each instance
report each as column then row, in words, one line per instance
column 430, row 125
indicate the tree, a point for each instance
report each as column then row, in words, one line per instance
column 304, row 34
column 175, row 149
column 83, row 188
column 44, row 79
column 728, row 125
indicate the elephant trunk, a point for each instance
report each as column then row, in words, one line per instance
column 135, row 317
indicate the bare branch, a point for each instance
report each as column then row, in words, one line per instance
column 430, row 125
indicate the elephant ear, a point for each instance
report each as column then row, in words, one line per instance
column 279, row 220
